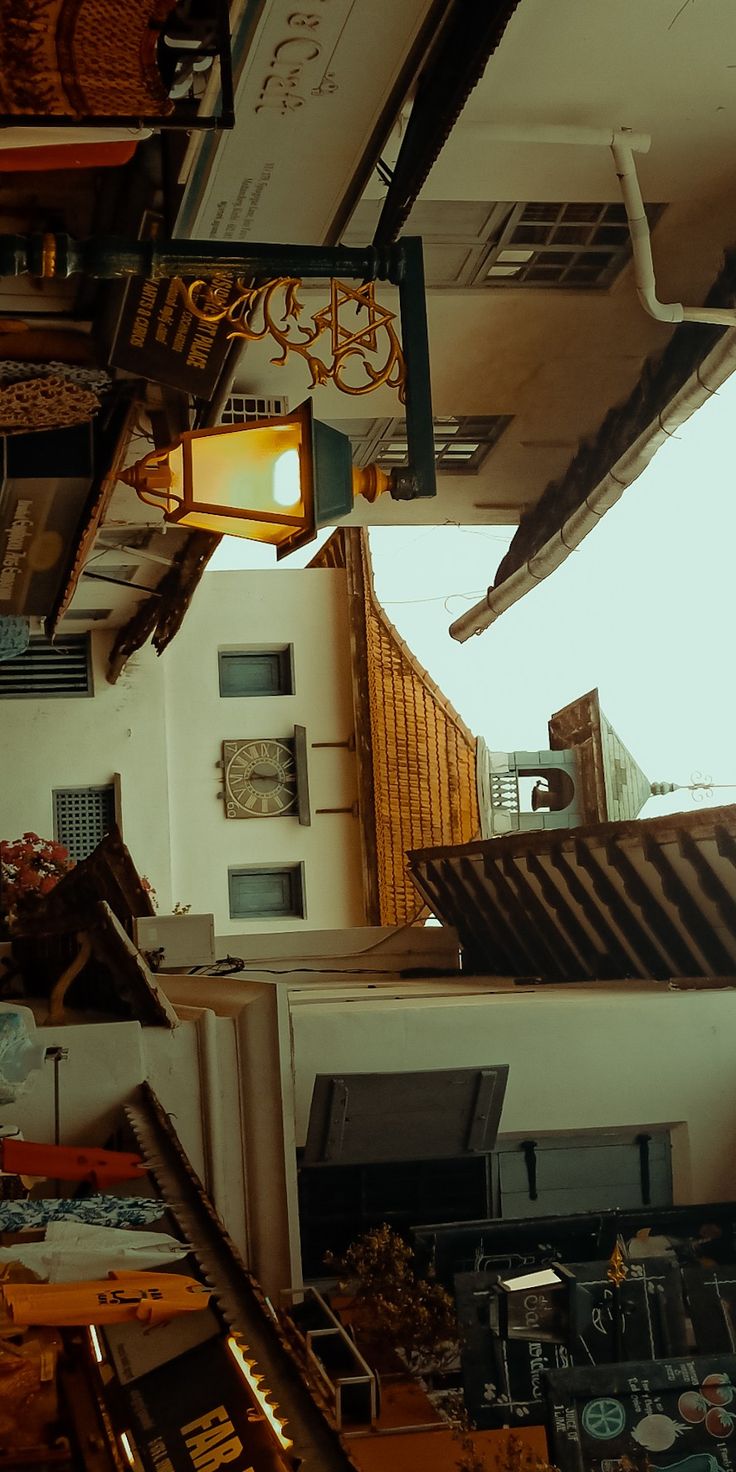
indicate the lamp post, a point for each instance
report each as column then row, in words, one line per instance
column 274, row 480
column 254, row 289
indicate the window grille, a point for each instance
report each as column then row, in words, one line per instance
column 572, row 245
column 82, row 817
column 240, row 408
column 45, row 669
column 460, row 444
column 515, row 244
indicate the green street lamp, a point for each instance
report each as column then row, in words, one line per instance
column 254, row 289
column 275, row 480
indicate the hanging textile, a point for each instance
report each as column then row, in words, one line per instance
column 69, row 1162
column 98, row 1211
column 74, row 1251
column 149, row 1297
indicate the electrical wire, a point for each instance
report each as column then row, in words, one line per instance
column 438, row 598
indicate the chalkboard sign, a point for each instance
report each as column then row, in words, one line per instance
column 598, row 1325
column 678, row 1415
column 701, row 1233
column 711, row 1298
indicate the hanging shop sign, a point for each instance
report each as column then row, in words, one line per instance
column 315, row 81
column 40, row 512
column 159, row 338
column 195, row 1414
column 37, row 522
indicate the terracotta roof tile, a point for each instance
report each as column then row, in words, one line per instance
column 421, row 752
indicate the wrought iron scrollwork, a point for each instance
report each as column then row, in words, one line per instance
column 273, row 310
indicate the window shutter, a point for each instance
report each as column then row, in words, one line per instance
column 46, row 669
column 82, row 817
column 255, row 672
column 241, row 408
column 264, row 893
column 580, row 1177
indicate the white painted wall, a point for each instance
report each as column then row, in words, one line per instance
column 162, row 727
column 308, row 610
column 82, row 742
column 577, row 1060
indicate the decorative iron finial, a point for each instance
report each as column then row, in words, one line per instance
column 618, row 1268
column 701, row 785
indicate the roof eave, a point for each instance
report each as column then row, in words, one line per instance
column 463, row 45
column 530, row 561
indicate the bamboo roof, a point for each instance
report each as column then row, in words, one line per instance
column 416, row 756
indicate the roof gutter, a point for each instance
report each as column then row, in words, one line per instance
column 469, row 34
column 710, row 376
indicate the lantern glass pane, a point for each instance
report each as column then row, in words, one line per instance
column 238, row 526
column 252, row 470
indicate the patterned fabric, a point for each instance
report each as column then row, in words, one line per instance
column 44, row 403
column 15, row 633
column 16, row 370
column 98, row 1211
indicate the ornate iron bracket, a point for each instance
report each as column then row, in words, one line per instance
column 370, row 346
column 273, row 309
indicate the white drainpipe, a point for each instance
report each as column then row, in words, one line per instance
column 641, row 246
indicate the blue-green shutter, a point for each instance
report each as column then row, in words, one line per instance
column 255, row 672
column 583, row 1177
column 265, row 892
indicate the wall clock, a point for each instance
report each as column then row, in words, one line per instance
column 260, row 778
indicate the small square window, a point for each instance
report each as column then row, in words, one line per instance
column 266, row 893
column 256, row 671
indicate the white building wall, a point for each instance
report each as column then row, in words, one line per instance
column 161, row 728
column 579, row 1060
column 233, row 610
column 84, row 742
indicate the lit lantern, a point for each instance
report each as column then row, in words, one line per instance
column 273, row 480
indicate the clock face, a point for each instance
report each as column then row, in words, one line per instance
column 260, row 778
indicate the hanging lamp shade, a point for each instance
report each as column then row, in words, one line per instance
column 276, row 480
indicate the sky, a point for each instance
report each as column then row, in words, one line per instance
column 645, row 609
